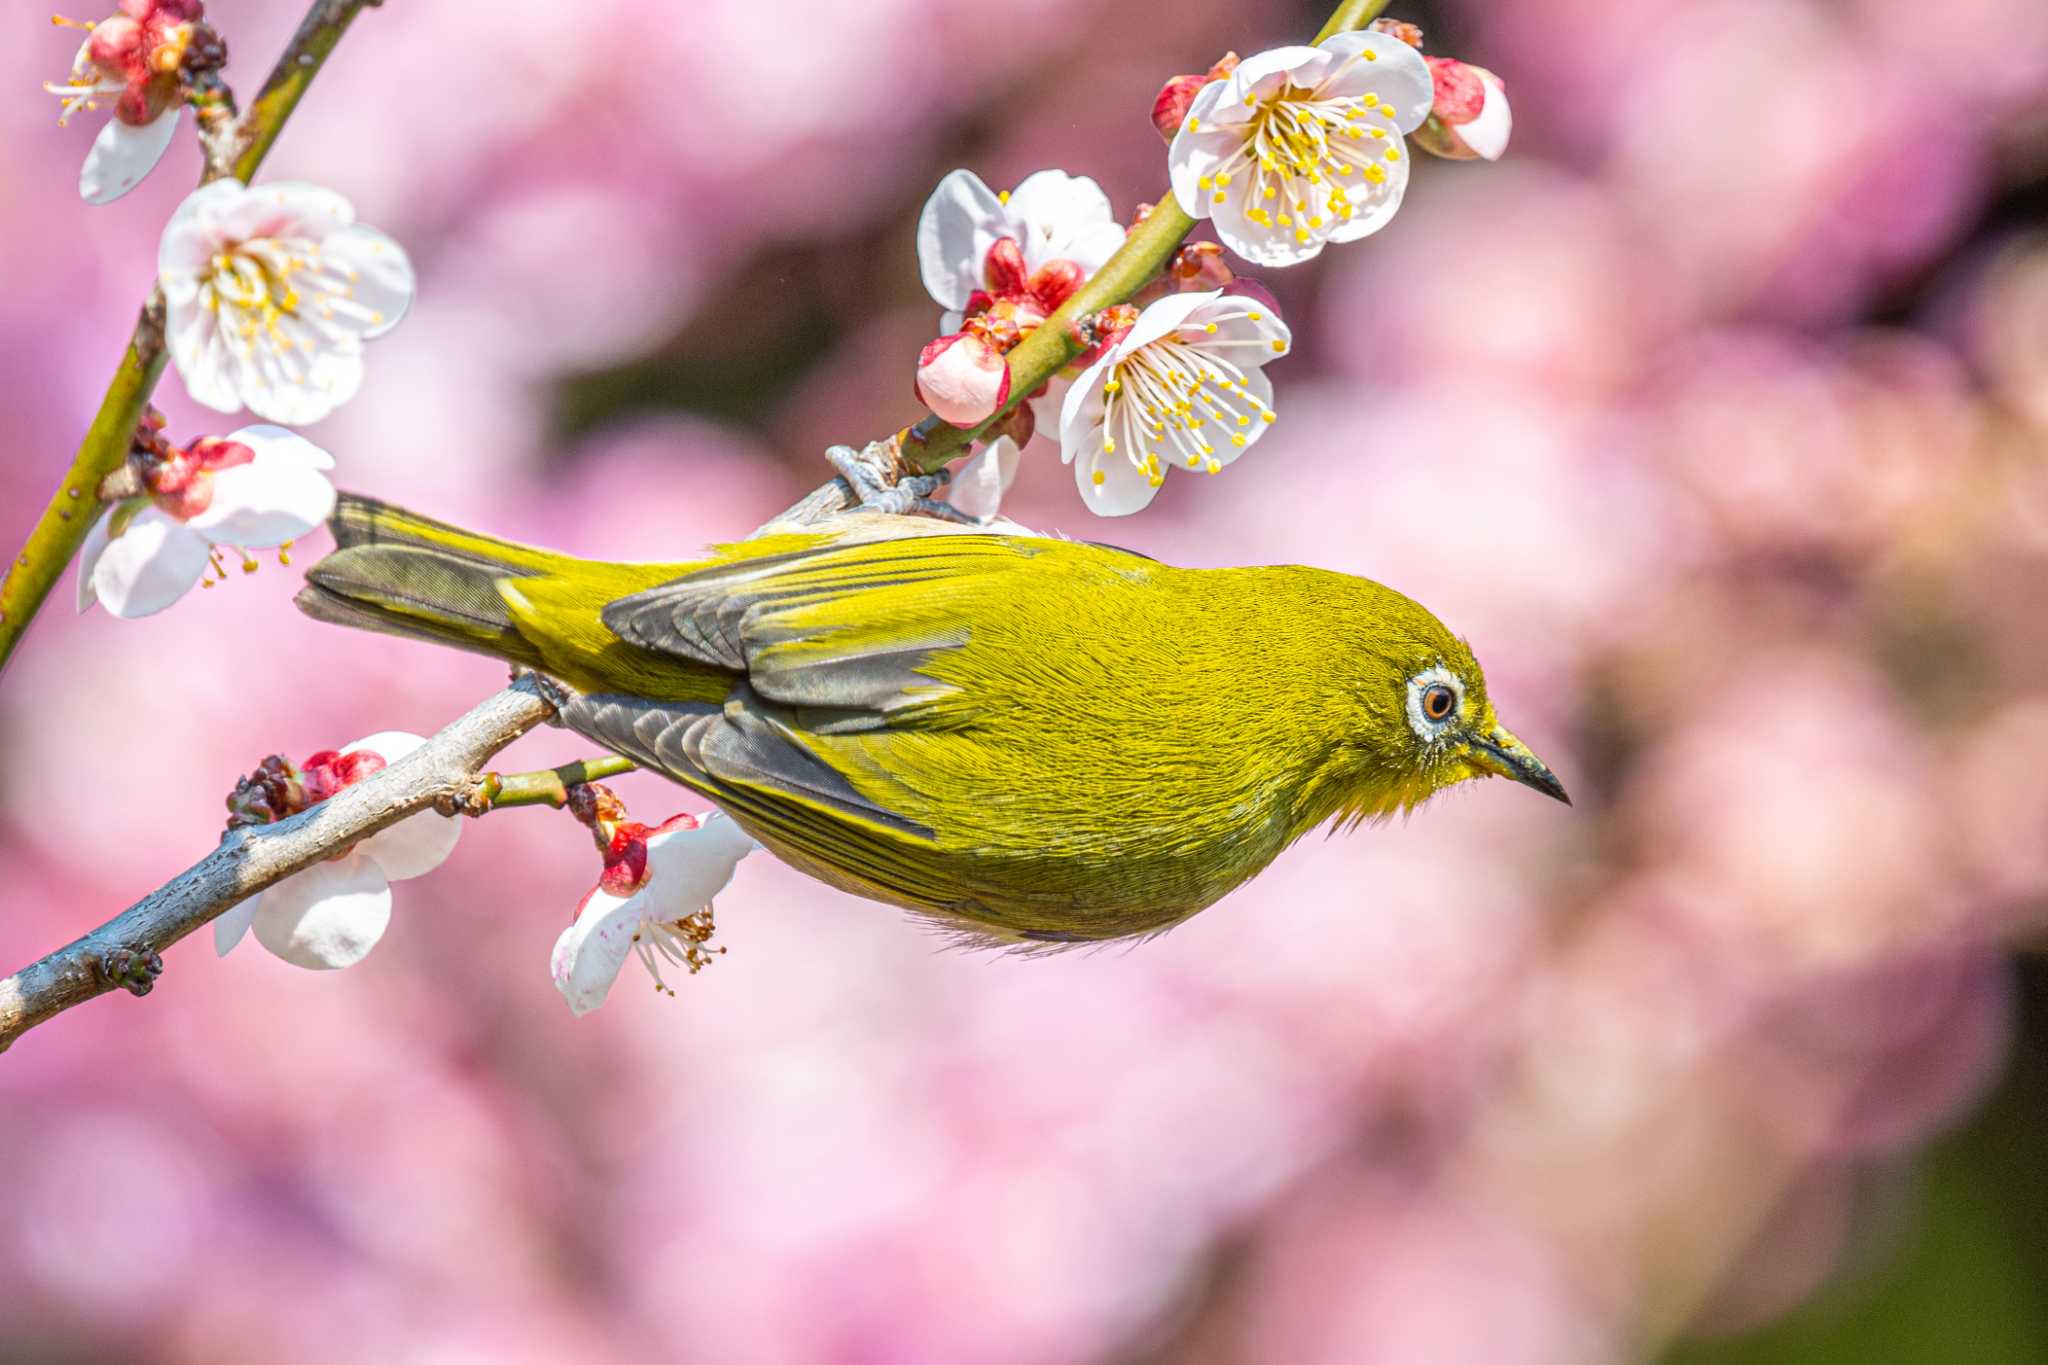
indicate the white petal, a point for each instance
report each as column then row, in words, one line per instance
column 383, row 281
column 89, row 553
column 1199, row 147
column 1239, row 320
column 276, row 497
column 1057, row 210
column 1397, row 75
column 978, row 485
column 414, row 846
column 1092, row 247
column 1124, row 488
column 1372, row 217
column 1487, row 134
column 202, row 361
column 1265, row 243
column 1305, row 63
column 1082, row 409
column 330, row 915
column 231, row 924
column 150, row 565
column 186, row 250
column 589, row 953
column 959, row 223
column 283, row 208
column 122, row 154
column 332, row 378
column 1260, row 387
column 1168, row 314
column 281, row 441
column 687, row 867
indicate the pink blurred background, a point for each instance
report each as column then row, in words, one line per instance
column 1714, row 416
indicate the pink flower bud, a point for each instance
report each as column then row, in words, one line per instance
column 1469, row 117
column 116, row 48
column 963, row 379
column 1171, row 105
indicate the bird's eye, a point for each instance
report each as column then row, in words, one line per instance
column 1438, row 701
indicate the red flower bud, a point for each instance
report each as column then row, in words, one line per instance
column 1004, row 270
column 1170, row 108
column 1052, row 283
column 1469, row 115
column 1198, row 266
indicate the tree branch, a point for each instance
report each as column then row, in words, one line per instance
column 73, row 508
column 125, row 950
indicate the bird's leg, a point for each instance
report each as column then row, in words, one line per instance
column 881, row 482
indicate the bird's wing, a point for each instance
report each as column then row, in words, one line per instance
column 830, row 642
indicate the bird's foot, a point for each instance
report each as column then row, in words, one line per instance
column 880, row 482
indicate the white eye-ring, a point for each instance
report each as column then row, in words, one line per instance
column 1435, row 699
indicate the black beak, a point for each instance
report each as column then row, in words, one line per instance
column 1503, row 755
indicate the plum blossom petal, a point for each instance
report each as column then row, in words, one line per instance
column 961, row 220
column 272, row 291
column 279, row 496
column 328, row 916
column 1064, row 217
column 419, row 843
column 978, row 485
column 123, row 154
column 231, row 924
column 963, row 379
column 153, row 562
column 1183, row 389
column 1302, row 146
column 255, row 489
column 688, row 863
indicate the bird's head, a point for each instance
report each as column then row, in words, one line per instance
column 1423, row 721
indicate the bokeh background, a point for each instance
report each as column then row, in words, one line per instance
column 1714, row 416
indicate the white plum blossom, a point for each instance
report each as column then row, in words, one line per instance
column 650, row 903
column 271, row 291
column 1052, row 216
column 260, row 488
column 1184, row 389
column 1301, row 146
column 333, row 913
column 129, row 60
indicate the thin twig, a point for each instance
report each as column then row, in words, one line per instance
column 125, row 951
column 547, row 787
column 73, row 508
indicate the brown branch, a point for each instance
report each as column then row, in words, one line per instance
column 126, row 950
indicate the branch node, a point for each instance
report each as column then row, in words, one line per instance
column 134, row 972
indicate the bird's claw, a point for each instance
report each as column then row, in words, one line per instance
column 875, row 477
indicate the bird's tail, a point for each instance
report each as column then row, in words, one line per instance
column 402, row 574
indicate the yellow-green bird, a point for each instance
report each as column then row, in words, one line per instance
column 1029, row 740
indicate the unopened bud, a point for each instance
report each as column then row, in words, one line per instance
column 1400, row 30
column 1469, row 116
column 963, row 379
column 1170, row 108
column 1004, row 270
column 1054, row 282
column 1199, row 266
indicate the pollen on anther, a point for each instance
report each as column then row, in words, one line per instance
column 1097, row 478
column 1210, row 328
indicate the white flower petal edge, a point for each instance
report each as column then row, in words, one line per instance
column 1301, row 146
column 978, row 486
column 280, row 495
column 122, row 154
column 153, row 562
column 961, row 220
column 271, row 292
column 686, row 868
column 231, row 924
column 1064, row 217
column 1183, row 389
column 329, row 916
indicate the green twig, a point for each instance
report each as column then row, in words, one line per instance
column 548, row 787
column 1145, row 252
column 72, row 510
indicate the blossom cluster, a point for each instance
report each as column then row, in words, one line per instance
column 1283, row 153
